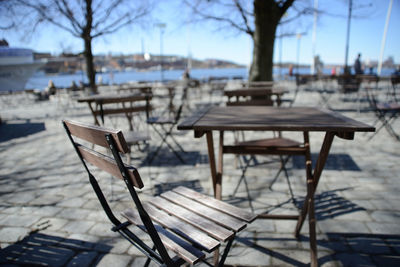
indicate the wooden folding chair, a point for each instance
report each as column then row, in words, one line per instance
column 385, row 112
column 267, row 146
column 164, row 125
column 182, row 222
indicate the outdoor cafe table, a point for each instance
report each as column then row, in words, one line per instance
column 101, row 99
column 263, row 118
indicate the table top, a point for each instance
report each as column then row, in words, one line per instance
column 262, row 118
column 111, row 98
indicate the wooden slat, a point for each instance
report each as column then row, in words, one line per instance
column 252, row 150
column 182, row 228
column 109, row 111
column 257, row 102
column 214, row 215
column 188, row 123
column 109, row 165
column 249, row 92
column 198, row 221
column 257, row 118
column 96, row 134
column 216, row 204
column 182, row 248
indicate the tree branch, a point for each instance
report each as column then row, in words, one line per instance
column 244, row 17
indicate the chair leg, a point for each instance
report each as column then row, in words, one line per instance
column 164, row 140
column 226, row 251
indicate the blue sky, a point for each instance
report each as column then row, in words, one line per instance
column 203, row 40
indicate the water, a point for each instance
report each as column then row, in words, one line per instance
column 40, row 81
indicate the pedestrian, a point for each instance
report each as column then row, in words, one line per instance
column 357, row 65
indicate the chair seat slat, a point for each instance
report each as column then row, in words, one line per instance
column 194, row 219
column 181, row 228
column 216, row 204
column 210, row 213
column 179, row 246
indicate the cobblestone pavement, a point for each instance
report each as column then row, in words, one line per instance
column 49, row 214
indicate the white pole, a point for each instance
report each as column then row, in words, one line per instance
column 314, row 36
column 384, row 36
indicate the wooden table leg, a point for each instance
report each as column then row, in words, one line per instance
column 211, row 160
column 312, row 183
column 93, row 113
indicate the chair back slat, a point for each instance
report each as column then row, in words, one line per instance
column 109, row 165
column 96, row 135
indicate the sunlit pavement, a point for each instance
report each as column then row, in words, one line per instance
column 49, row 214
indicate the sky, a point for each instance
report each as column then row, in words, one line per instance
column 204, row 40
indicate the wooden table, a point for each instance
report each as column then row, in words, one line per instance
column 256, row 118
column 100, row 100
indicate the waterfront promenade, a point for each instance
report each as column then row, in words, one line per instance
column 49, row 214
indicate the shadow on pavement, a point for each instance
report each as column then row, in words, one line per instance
column 337, row 162
column 39, row 249
column 343, row 249
column 17, row 130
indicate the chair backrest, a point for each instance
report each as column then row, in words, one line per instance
column 106, row 138
column 250, row 97
column 114, row 141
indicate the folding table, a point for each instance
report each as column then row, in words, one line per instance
column 256, row 118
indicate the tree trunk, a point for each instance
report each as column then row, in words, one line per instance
column 267, row 16
column 87, row 38
column 90, row 70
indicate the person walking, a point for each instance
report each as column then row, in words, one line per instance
column 357, row 65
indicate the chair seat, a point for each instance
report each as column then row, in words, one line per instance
column 270, row 142
column 135, row 137
column 189, row 222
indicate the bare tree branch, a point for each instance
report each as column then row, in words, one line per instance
column 217, row 18
column 244, row 17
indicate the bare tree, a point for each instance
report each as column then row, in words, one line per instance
column 84, row 19
column 259, row 20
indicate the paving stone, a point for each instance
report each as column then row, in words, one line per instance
column 329, row 226
column 385, row 216
column 76, row 202
column 78, row 226
column 353, row 259
column 85, row 258
column 248, row 256
column 114, row 260
column 102, row 229
column 19, row 220
column 13, row 234
column 384, row 228
column 73, row 214
column 49, row 223
column 368, row 245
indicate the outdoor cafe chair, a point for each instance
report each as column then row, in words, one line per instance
column 164, row 125
column 182, row 222
column 277, row 145
column 386, row 113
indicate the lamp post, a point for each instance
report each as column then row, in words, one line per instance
column 161, row 26
column 346, row 67
column 298, row 51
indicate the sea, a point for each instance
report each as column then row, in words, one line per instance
column 40, row 80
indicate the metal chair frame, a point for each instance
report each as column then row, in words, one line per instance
column 162, row 257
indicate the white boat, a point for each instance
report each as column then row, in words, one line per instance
column 16, row 67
